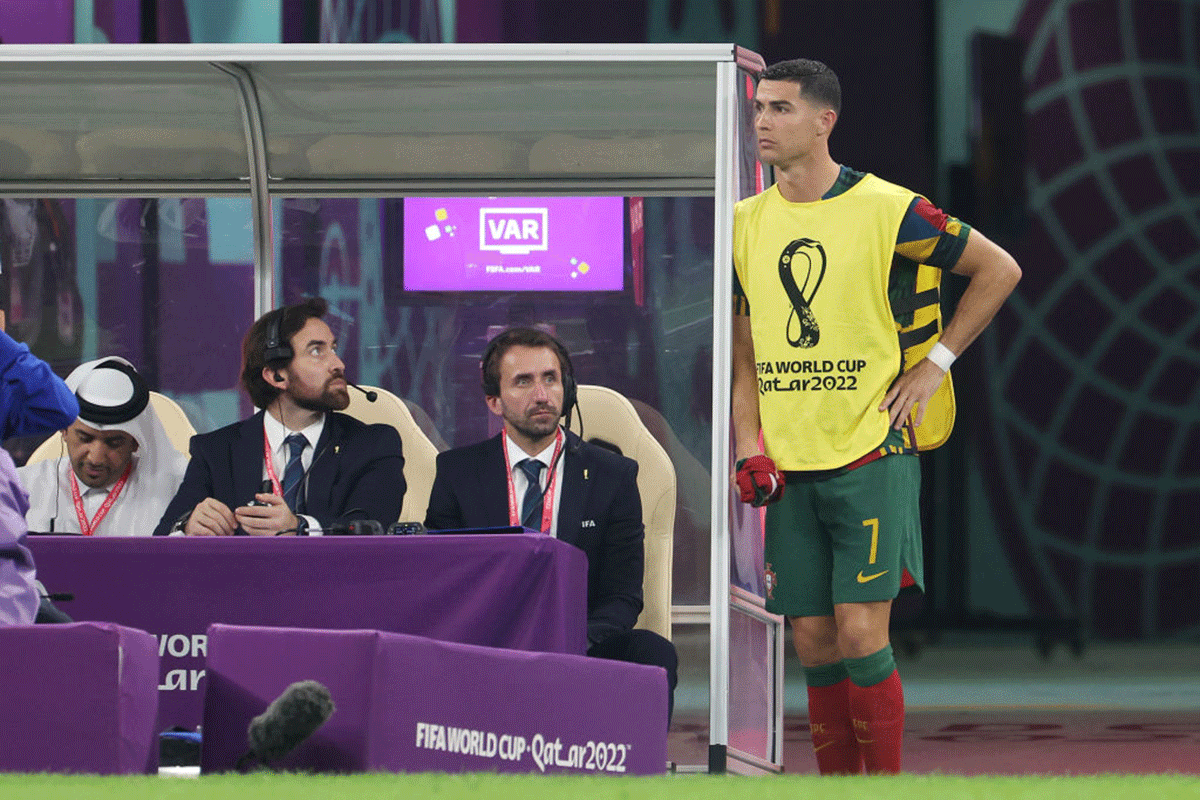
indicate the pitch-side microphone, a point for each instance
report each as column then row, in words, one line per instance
column 289, row 720
column 370, row 394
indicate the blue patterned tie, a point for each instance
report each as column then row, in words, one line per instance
column 531, row 506
column 294, row 472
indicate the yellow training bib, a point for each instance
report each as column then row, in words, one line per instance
column 825, row 340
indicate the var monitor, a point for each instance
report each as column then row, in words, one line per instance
column 512, row 244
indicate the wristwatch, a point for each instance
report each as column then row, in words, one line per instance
column 301, row 526
column 181, row 523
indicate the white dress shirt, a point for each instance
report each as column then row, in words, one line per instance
column 280, row 453
column 520, row 481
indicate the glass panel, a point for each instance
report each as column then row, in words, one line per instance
column 752, row 695
column 746, row 523
column 650, row 340
column 543, row 119
column 121, row 121
column 167, row 284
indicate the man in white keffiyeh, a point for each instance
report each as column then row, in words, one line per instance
column 118, row 469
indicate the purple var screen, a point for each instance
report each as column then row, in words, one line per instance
column 513, row 244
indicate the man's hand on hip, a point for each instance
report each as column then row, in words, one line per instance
column 911, row 392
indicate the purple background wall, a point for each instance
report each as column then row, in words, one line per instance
column 38, row 22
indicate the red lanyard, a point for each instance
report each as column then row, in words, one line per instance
column 514, row 514
column 88, row 528
column 275, row 485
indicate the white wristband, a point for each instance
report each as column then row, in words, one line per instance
column 942, row 356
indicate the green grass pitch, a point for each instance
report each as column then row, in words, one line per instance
column 265, row 786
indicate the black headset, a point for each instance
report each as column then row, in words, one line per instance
column 111, row 415
column 274, row 349
column 491, row 387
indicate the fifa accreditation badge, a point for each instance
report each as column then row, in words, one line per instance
column 804, row 258
column 769, row 581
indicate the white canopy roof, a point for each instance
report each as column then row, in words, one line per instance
column 349, row 119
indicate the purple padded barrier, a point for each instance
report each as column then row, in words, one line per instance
column 78, row 698
column 521, row 591
column 411, row 704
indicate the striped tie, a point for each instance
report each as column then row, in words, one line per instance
column 294, row 472
column 531, row 506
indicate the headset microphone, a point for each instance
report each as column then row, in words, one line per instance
column 370, row 394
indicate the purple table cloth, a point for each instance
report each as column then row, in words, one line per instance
column 519, row 591
column 411, row 704
column 78, row 698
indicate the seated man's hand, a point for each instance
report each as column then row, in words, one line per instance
column 759, row 482
column 210, row 517
column 268, row 519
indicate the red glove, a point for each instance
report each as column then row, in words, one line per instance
column 759, row 482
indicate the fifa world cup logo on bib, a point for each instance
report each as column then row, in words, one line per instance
column 803, row 257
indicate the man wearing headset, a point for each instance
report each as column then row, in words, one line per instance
column 297, row 466
column 117, row 470
column 537, row 475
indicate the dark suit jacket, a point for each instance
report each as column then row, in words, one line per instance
column 357, row 471
column 600, row 514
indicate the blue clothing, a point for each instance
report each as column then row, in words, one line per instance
column 33, row 399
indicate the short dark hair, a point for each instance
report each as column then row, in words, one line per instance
column 818, row 83
column 489, row 366
column 254, row 346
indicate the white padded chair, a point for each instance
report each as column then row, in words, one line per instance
column 610, row 416
column 420, row 455
column 179, row 430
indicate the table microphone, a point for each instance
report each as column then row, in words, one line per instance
column 370, row 394
column 289, row 720
column 356, row 527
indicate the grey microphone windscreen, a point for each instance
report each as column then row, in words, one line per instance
column 289, row 720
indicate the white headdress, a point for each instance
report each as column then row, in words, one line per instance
column 114, row 397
